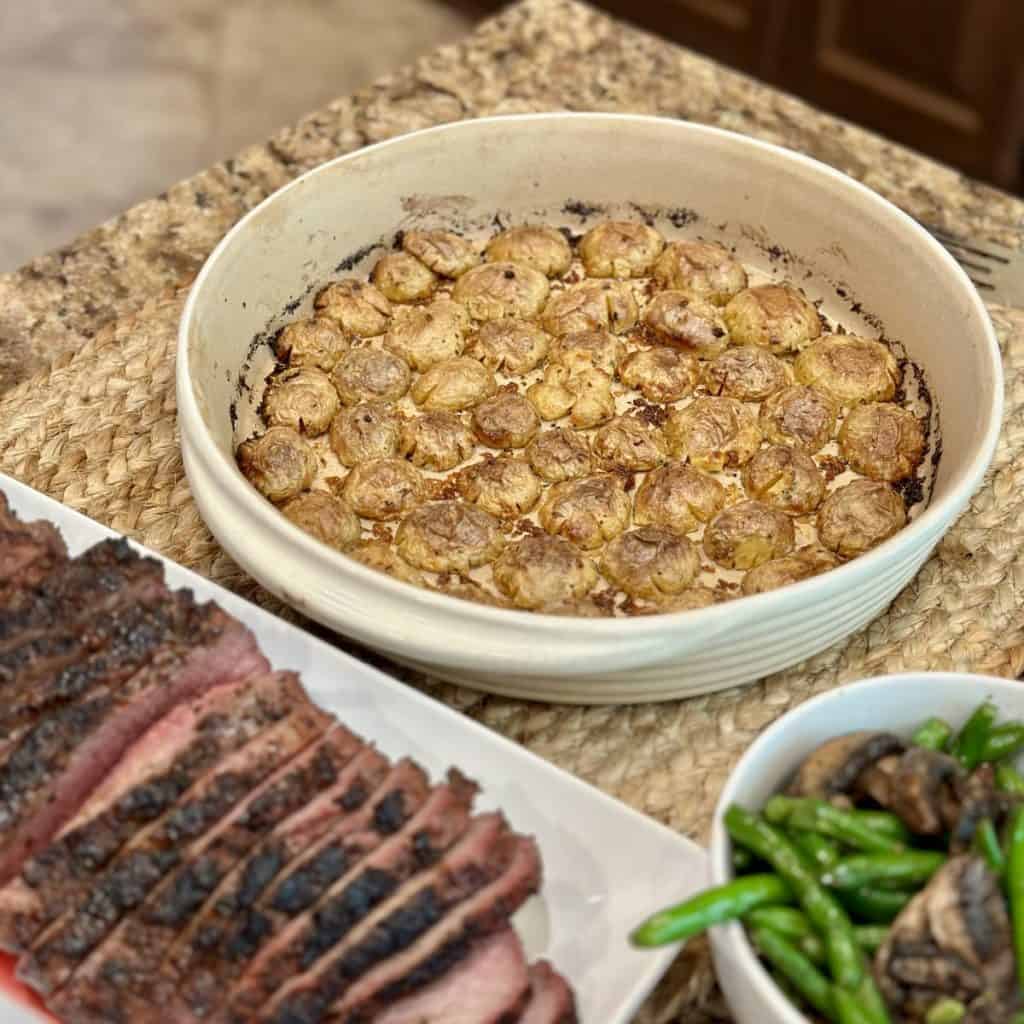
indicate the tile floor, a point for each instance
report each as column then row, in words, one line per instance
column 105, row 102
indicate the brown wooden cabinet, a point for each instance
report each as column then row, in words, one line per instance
column 943, row 76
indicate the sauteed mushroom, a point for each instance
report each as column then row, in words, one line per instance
column 370, row 430
column 630, row 444
column 692, row 324
column 559, row 454
column 509, row 346
column 303, row 399
column 799, row 416
column 325, row 517
column 401, row 277
column 507, row 420
column 369, row 374
column 383, row 488
column 541, row 248
column 704, row 269
column 882, row 441
column 316, row 342
column 919, row 785
column 505, row 486
column 426, row 335
column 850, row 369
column 591, row 306
column 620, row 248
column 774, row 316
column 436, row 440
column 453, row 385
column 542, row 571
column 784, row 478
column 748, row 373
column 678, row 497
column 588, row 511
column 805, row 562
column 280, row 464
column 860, row 516
column 496, row 290
column 660, row 374
column 651, row 562
column 356, row 307
column 444, row 252
column 747, row 535
column 713, row 433
column 449, row 536
column 836, row 766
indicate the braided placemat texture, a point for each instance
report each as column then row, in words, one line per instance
column 98, row 432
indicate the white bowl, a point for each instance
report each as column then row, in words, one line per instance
column 838, row 237
column 899, row 704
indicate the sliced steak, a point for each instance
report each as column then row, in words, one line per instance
column 182, row 835
column 490, row 986
column 311, row 917
column 408, row 912
column 52, row 771
column 28, row 551
column 156, row 772
column 120, row 978
column 551, row 999
column 91, row 584
column 409, row 967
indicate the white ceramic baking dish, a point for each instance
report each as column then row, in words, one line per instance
column 871, row 265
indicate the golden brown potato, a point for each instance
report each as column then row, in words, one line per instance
column 325, row 517
column 381, row 556
column 497, row 290
column 370, row 430
column 629, row 443
column 849, row 369
column 713, row 434
column 509, row 346
column 774, row 316
column 540, row 572
column 453, row 385
column 650, row 562
column 449, row 536
column 543, row 249
column 747, row 535
column 304, row 399
column 882, row 441
column 799, row 416
column 591, row 306
column 280, row 464
column 426, row 335
column 706, row 270
column 468, row 590
column 860, row 516
column 620, row 248
column 805, row 562
column 356, row 307
column 506, row 420
column 679, row 498
column 594, row 402
column 371, row 375
column 552, row 397
column 318, row 343
column 444, row 252
column 748, row 373
column 505, row 486
column 560, row 454
column 690, row 600
column 660, row 374
column 383, row 488
column 580, row 349
column 688, row 323
column 436, row 440
column 785, row 478
column 401, row 277
column 588, row 511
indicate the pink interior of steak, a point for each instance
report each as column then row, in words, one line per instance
column 551, row 998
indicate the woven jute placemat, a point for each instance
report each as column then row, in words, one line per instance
column 98, row 432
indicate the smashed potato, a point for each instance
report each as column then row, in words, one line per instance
column 705, row 270
column 539, row 571
column 540, row 248
column 325, row 517
column 713, row 434
column 588, row 511
column 678, row 497
column 449, row 536
column 747, row 535
column 774, row 316
column 650, row 562
column 400, row 277
column 620, row 248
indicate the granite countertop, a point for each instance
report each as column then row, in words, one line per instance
column 538, row 55
column 98, row 432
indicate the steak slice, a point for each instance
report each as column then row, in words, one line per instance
column 155, row 773
column 410, row 967
column 83, row 587
column 28, row 551
column 190, row 828
column 310, row 917
column 490, row 986
column 119, row 980
column 49, row 775
column 551, row 999
column 407, row 912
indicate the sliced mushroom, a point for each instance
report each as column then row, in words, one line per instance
column 689, row 323
column 952, row 941
column 620, row 248
column 920, row 786
column 317, row 342
column 496, row 290
column 591, row 306
column 704, row 269
column 401, row 277
column 444, row 252
column 774, row 316
column 541, row 248
column 837, row 765
column 356, row 307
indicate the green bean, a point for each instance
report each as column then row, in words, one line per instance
column 742, row 860
column 794, row 925
column 946, row 1011
column 870, row 937
column 934, row 734
column 819, row 850
column 1009, row 780
column 885, row 823
column 796, row 969
column 820, row 816
column 1015, row 885
column 907, row 868
column 1003, row 741
column 711, row 907
column 820, row 906
column 848, row 1009
column 987, row 843
column 880, row 906
column 870, row 999
column 970, row 741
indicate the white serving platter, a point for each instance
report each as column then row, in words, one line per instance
column 606, row 866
